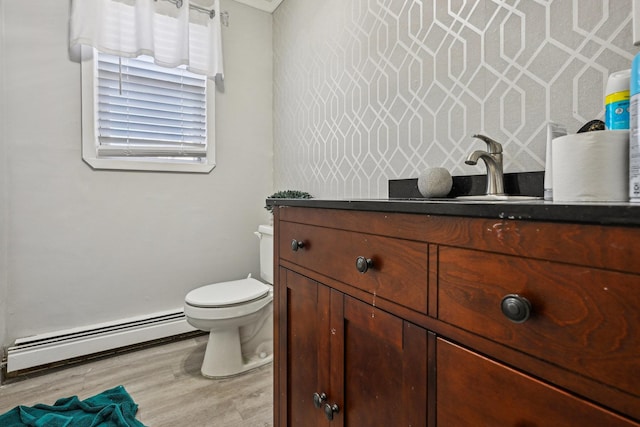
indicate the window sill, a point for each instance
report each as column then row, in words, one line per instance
column 148, row 165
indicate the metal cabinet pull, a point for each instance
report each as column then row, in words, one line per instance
column 516, row 308
column 318, row 398
column 297, row 244
column 363, row 264
column 330, row 410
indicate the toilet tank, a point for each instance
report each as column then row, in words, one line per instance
column 265, row 234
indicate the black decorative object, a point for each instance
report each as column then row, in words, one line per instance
column 591, row 126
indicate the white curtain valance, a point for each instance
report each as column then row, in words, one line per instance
column 172, row 35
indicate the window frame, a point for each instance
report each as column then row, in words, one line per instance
column 151, row 164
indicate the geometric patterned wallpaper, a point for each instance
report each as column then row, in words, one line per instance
column 371, row 90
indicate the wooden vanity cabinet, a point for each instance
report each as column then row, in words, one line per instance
column 347, row 363
column 389, row 319
column 476, row 391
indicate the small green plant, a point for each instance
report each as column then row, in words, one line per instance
column 288, row 194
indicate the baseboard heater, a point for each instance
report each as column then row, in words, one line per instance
column 68, row 344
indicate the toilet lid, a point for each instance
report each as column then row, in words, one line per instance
column 227, row 293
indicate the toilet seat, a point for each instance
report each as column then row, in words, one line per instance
column 227, row 300
column 227, row 294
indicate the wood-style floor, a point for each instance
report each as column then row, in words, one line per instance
column 164, row 381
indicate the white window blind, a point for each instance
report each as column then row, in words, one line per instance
column 149, row 112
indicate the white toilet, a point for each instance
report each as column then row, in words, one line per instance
column 239, row 317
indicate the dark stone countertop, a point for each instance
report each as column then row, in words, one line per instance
column 404, row 197
column 535, row 210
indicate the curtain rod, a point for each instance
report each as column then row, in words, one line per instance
column 178, row 3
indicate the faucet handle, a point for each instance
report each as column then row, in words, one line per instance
column 494, row 147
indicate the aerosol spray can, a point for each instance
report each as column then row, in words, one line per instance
column 616, row 101
column 634, row 132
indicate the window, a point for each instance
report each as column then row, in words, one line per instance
column 140, row 116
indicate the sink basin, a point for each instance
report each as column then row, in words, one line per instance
column 498, row 198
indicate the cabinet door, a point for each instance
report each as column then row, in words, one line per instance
column 378, row 366
column 304, row 328
column 475, row 391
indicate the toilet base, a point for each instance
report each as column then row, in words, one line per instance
column 223, row 356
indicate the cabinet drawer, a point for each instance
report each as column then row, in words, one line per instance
column 399, row 267
column 476, row 391
column 583, row 319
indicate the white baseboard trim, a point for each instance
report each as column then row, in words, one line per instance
column 67, row 344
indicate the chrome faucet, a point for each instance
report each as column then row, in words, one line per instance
column 493, row 161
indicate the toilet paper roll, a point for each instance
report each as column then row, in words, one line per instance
column 591, row 167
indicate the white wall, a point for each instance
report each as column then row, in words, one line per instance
column 367, row 91
column 3, row 196
column 80, row 246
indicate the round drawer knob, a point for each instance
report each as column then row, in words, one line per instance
column 318, row 399
column 295, row 245
column 330, row 410
column 363, row 264
column 516, row 308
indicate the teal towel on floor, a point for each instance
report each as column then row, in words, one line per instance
column 111, row 408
